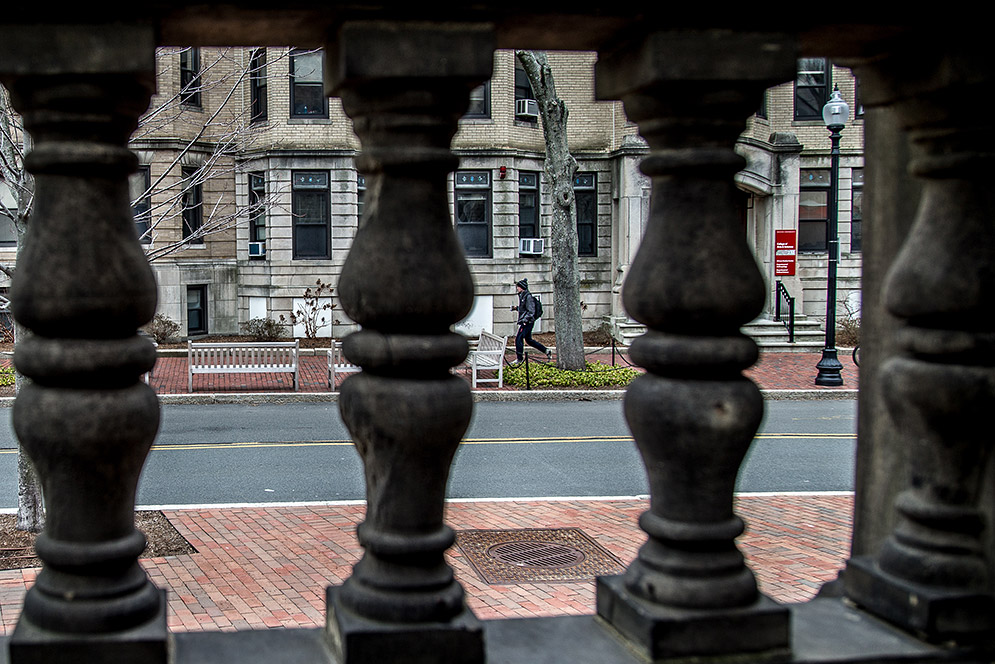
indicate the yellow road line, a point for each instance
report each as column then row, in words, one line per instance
column 470, row 441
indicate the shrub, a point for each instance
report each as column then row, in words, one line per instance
column 545, row 374
column 264, row 329
column 162, row 328
column 6, row 376
column 848, row 328
column 309, row 312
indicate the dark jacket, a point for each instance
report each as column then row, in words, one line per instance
column 526, row 308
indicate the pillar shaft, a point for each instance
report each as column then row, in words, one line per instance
column 693, row 283
column 82, row 288
column 406, row 282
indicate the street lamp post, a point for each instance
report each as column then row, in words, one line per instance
column 835, row 114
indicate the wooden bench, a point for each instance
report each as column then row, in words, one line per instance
column 263, row 357
column 488, row 356
column 338, row 364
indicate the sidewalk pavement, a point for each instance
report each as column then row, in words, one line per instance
column 779, row 375
column 268, row 566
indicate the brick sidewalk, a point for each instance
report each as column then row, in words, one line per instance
column 268, row 567
column 774, row 371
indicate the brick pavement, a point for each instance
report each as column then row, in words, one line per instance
column 269, row 566
column 774, row 371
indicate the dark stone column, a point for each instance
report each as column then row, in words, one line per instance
column 694, row 283
column 932, row 575
column 406, row 282
column 83, row 287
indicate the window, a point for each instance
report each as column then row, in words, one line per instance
column 257, row 209
column 193, row 205
column 307, row 94
column 473, row 211
column 257, row 85
column 811, row 88
column 523, row 90
column 528, row 205
column 360, row 195
column 586, row 195
column 480, row 102
column 857, row 211
column 141, row 203
column 8, row 208
column 762, row 111
column 311, row 210
column 813, row 210
column 196, row 310
column 190, row 77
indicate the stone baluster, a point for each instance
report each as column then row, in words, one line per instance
column 932, row 575
column 82, row 288
column 693, row 283
column 406, row 282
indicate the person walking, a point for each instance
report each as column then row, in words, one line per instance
column 527, row 314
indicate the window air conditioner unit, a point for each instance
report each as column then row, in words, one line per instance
column 531, row 246
column 527, row 108
column 257, row 249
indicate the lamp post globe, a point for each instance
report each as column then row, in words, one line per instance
column 835, row 114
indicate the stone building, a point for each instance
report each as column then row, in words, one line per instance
column 273, row 140
column 919, row 586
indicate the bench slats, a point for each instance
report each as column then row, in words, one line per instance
column 489, row 356
column 259, row 357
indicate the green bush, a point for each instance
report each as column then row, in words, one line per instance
column 6, row 376
column 544, row 374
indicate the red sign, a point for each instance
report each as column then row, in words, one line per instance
column 785, row 251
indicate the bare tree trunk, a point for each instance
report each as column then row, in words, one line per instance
column 30, row 506
column 560, row 170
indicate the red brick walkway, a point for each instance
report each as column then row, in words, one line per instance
column 774, row 371
column 268, row 567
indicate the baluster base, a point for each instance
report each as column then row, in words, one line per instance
column 933, row 613
column 148, row 643
column 761, row 629
column 358, row 640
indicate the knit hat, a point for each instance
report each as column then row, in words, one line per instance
column 523, row 284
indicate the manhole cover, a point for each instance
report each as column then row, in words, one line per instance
column 535, row 555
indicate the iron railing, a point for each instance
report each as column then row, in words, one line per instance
column 783, row 296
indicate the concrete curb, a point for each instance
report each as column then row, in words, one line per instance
column 253, row 399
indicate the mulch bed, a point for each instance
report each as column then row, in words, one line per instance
column 17, row 547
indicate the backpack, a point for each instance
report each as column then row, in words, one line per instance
column 535, row 298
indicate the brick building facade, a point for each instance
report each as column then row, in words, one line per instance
column 282, row 196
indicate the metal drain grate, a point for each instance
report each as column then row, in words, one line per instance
column 535, row 555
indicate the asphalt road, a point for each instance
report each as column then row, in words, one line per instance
column 222, row 454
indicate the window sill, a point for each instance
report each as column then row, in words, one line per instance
column 308, row 121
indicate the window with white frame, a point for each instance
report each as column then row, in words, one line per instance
column 473, row 211
column 311, row 209
column 257, row 209
column 360, row 195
